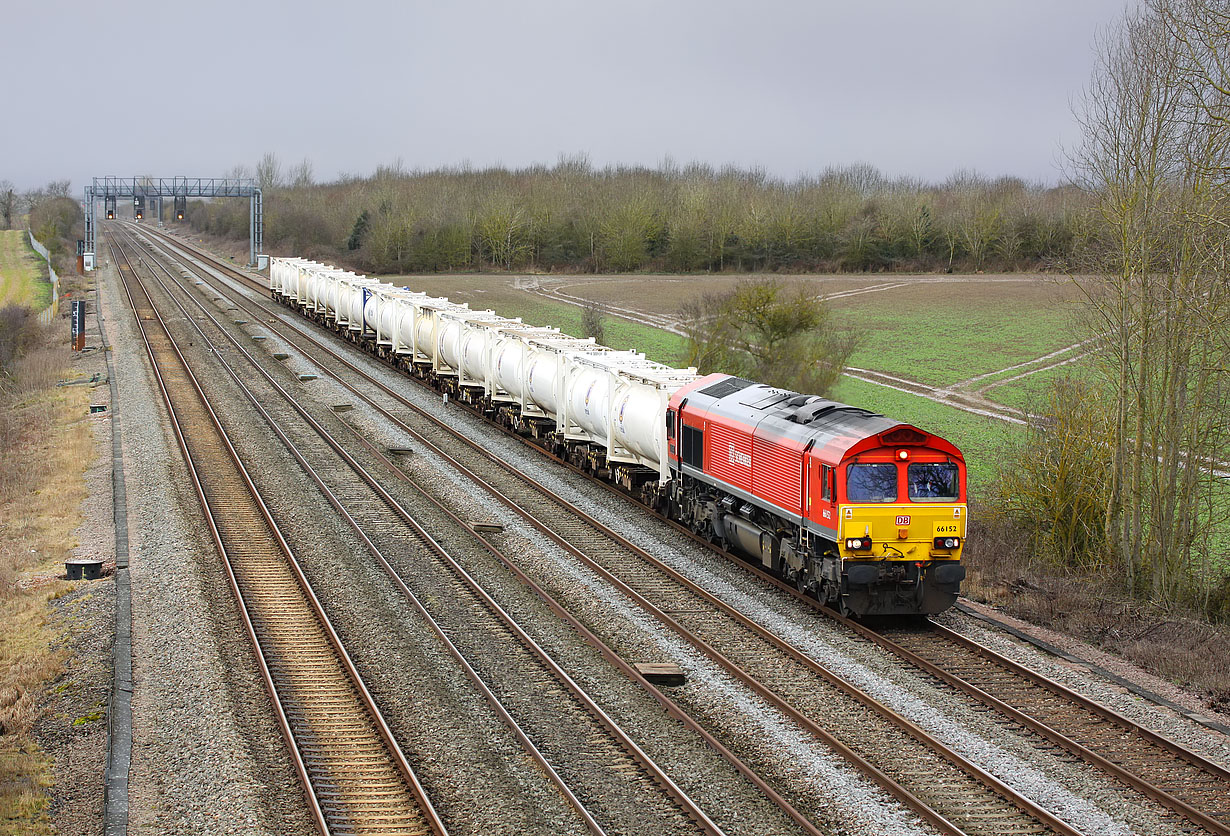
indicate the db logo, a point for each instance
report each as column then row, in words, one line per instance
column 739, row 457
column 904, row 519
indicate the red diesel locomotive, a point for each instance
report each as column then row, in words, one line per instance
column 864, row 512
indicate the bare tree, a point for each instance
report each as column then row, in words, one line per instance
column 269, row 172
column 1155, row 152
column 301, row 174
column 58, row 188
column 593, row 321
column 8, row 202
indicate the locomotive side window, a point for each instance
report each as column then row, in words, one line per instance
column 692, row 446
column 670, row 423
column 871, row 483
column 933, row 482
column 826, row 482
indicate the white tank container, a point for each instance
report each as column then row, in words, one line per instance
column 424, row 333
column 589, row 400
column 508, row 360
column 371, row 309
column 640, row 416
column 448, row 333
column 542, row 372
column 474, row 352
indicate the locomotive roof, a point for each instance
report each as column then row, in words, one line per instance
column 789, row 415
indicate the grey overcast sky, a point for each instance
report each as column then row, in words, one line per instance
column 914, row 87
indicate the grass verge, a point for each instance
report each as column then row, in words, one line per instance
column 46, row 450
column 23, row 275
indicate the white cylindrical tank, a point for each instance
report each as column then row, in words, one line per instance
column 508, row 358
column 474, row 352
column 333, row 295
column 352, row 304
column 589, row 392
column 640, row 420
column 376, row 300
column 542, row 370
column 449, row 336
column 424, row 333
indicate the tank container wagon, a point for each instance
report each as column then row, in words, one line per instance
column 864, row 512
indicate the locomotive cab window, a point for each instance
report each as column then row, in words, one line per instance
column 871, row 483
column 933, row 482
column 670, row 423
column 826, row 482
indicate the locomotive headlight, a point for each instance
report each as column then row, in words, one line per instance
column 947, row 542
column 858, row 544
column 903, row 455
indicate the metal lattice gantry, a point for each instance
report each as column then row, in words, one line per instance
column 110, row 189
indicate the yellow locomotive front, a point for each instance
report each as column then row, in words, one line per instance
column 901, row 513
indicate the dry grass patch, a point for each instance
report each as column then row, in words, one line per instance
column 47, row 447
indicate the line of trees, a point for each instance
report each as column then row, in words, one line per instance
column 1156, row 154
column 15, row 204
column 55, row 218
column 574, row 217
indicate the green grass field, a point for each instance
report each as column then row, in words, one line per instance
column 1029, row 393
column 940, row 333
column 23, row 275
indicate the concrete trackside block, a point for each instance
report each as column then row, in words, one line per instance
column 661, row 673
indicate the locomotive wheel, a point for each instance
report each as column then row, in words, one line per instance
column 800, row 582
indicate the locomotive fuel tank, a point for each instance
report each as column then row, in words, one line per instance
column 750, row 540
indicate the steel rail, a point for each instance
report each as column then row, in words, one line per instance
column 690, row 809
column 975, row 772
column 311, row 773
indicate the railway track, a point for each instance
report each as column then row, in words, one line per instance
column 356, row 778
column 604, row 774
column 946, row 789
column 1172, row 775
